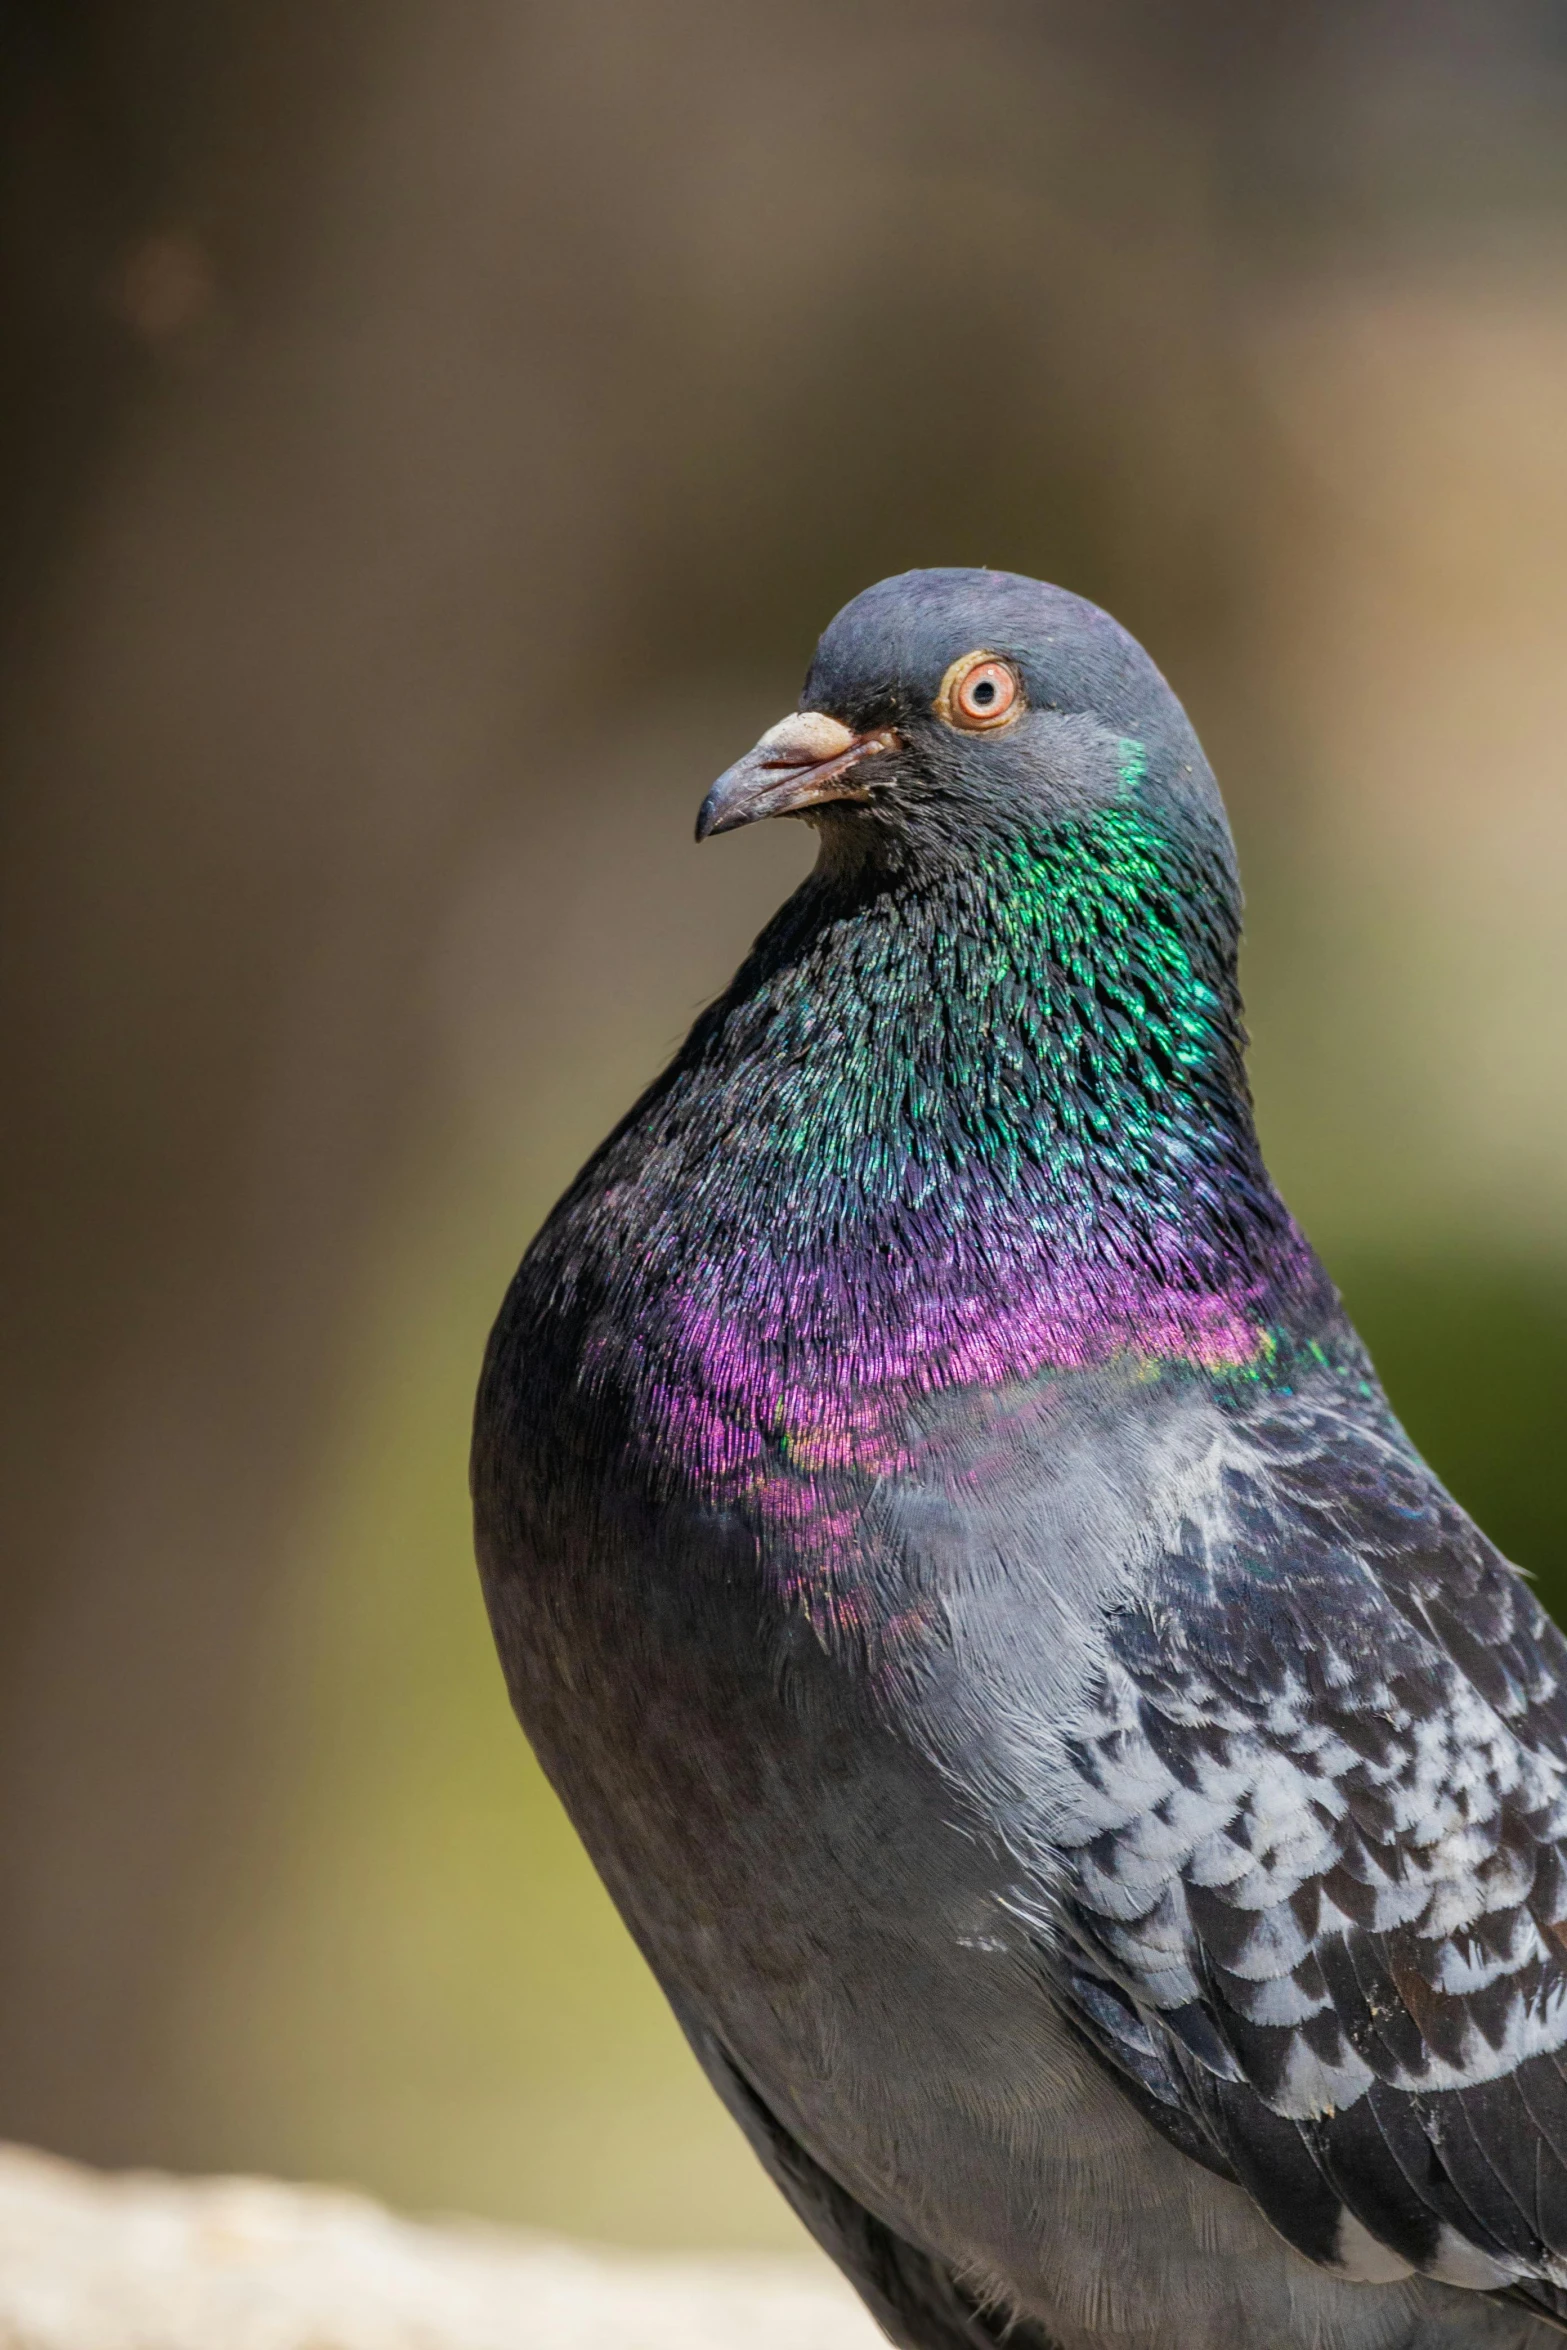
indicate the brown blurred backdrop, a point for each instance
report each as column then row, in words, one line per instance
column 432, row 439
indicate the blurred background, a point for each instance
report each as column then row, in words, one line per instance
column 432, row 439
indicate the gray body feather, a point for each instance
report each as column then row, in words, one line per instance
column 997, row 1906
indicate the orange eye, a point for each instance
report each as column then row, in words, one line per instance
column 979, row 692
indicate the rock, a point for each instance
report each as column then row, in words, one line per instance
column 139, row 2262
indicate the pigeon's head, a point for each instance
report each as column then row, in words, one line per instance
column 948, row 710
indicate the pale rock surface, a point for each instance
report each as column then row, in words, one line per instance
column 139, row 2262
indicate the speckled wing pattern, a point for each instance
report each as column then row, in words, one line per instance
column 1316, row 1877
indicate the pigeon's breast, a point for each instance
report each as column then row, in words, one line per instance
column 814, row 1736
column 852, row 1663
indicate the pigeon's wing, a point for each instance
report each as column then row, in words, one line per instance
column 1315, row 1889
column 916, row 2301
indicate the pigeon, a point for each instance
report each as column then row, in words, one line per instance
column 1096, row 1805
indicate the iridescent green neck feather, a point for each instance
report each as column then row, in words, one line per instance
column 966, row 1125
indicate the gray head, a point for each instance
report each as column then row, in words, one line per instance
column 945, row 707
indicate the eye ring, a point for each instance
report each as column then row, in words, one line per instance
column 980, row 693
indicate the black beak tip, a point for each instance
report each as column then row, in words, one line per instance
column 725, row 808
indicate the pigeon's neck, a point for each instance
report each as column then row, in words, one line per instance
column 960, row 1128
column 1031, row 1062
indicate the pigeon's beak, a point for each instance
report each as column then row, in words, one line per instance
column 799, row 764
